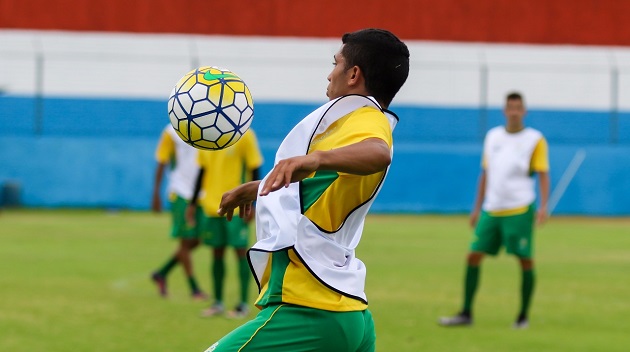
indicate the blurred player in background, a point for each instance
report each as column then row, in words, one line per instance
column 220, row 171
column 505, row 212
column 311, row 208
column 172, row 152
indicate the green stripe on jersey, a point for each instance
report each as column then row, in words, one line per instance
column 313, row 188
column 279, row 263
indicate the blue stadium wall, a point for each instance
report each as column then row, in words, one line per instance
column 99, row 153
column 94, row 152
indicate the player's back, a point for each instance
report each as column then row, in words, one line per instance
column 184, row 168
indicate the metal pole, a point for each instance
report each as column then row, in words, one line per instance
column 39, row 93
column 483, row 97
column 194, row 53
column 614, row 99
column 614, row 105
column 39, row 89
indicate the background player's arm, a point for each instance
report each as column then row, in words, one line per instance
column 363, row 158
column 241, row 197
column 192, row 205
column 248, row 210
column 481, row 192
column 540, row 165
column 165, row 151
column 156, row 203
column 544, row 184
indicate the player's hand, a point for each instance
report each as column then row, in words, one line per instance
column 542, row 215
column 191, row 220
column 290, row 170
column 248, row 214
column 156, row 203
column 474, row 218
column 240, row 197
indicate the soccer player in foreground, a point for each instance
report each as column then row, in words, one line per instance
column 504, row 211
column 312, row 205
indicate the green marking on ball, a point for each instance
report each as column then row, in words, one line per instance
column 208, row 76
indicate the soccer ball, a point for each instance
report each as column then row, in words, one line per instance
column 210, row 108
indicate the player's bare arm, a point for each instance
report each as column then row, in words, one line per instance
column 240, row 197
column 364, row 158
column 543, row 212
column 156, row 201
column 481, row 192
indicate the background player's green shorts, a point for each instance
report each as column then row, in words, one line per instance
column 180, row 228
column 286, row 327
column 218, row 232
column 515, row 232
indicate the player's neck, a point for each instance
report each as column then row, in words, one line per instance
column 514, row 128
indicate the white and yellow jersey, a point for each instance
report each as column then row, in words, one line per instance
column 226, row 169
column 510, row 160
column 183, row 161
column 328, row 197
column 307, row 233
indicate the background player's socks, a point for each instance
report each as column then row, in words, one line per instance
column 470, row 287
column 194, row 288
column 166, row 268
column 218, row 274
column 527, row 290
column 244, row 274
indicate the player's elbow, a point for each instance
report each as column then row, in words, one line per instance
column 379, row 162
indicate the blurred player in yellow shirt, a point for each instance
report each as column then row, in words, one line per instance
column 220, row 171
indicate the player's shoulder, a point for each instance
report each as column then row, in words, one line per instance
column 247, row 140
column 368, row 114
column 369, row 110
column 495, row 131
column 170, row 131
column 250, row 134
column 534, row 132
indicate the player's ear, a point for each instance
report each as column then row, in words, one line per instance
column 355, row 75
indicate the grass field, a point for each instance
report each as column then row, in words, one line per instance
column 78, row 281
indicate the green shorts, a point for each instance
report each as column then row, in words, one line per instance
column 286, row 327
column 180, row 228
column 515, row 232
column 217, row 232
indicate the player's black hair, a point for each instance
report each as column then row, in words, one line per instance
column 515, row 96
column 383, row 59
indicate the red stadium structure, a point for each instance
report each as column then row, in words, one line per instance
column 582, row 22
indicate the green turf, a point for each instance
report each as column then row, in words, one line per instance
column 78, row 281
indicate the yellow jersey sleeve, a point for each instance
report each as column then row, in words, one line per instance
column 165, row 149
column 226, row 169
column 253, row 156
column 200, row 157
column 540, row 157
column 328, row 197
column 355, row 127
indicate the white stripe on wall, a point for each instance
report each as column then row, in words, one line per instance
column 295, row 69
